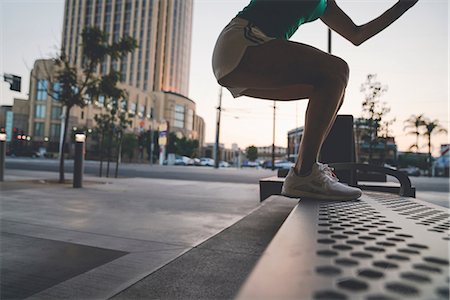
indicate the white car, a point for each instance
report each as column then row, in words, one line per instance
column 205, row 161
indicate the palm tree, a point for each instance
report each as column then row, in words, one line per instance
column 413, row 124
column 432, row 127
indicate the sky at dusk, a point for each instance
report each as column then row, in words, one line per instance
column 411, row 57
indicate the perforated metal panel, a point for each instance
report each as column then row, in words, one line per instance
column 380, row 247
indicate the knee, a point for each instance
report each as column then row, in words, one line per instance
column 341, row 70
column 337, row 73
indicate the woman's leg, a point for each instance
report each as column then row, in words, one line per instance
column 296, row 71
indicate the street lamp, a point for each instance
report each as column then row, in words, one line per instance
column 2, row 154
column 78, row 167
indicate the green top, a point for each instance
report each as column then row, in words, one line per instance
column 281, row 18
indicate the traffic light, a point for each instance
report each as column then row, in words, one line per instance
column 14, row 81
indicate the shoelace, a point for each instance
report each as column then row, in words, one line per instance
column 328, row 171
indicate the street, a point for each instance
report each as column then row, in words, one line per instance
column 233, row 175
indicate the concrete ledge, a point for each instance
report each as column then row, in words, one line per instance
column 217, row 268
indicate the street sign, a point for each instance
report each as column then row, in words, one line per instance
column 163, row 131
column 14, row 81
column 9, row 125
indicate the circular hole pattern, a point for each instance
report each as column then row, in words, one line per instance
column 370, row 273
column 427, row 268
column 347, row 262
column 325, row 232
column 401, row 288
column 377, row 233
column 327, row 295
column 415, row 277
column 353, row 285
column 328, row 270
column 327, row 253
column 326, row 241
column 385, row 244
column 342, row 247
column 355, row 242
column 361, row 255
column 408, row 251
column 403, row 235
column 339, row 236
column 379, row 297
column 436, row 260
column 395, row 239
column 385, row 264
column 351, row 232
column 397, row 257
column 393, row 227
column 374, row 249
column 418, row 246
column 367, row 238
column 337, row 228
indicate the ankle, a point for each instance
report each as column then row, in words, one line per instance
column 302, row 171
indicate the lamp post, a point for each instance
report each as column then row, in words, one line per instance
column 2, row 154
column 78, row 167
column 216, row 144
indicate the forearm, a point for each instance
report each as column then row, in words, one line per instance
column 377, row 25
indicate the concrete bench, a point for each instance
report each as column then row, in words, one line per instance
column 382, row 246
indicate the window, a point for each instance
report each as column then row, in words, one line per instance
column 38, row 129
column 55, row 130
column 41, row 94
column 56, row 112
column 40, row 111
column 141, row 111
column 56, row 91
column 132, row 110
column 101, row 101
column 189, row 119
column 179, row 116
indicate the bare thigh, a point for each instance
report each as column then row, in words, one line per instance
column 281, row 69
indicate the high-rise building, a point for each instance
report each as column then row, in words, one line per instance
column 161, row 27
column 155, row 76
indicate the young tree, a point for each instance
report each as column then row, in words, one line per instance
column 373, row 110
column 413, row 124
column 77, row 87
column 103, row 129
column 431, row 128
column 252, row 153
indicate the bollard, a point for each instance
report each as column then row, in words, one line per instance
column 78, row 167
column 2, row 155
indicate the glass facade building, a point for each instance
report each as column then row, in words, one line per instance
column 161, row 27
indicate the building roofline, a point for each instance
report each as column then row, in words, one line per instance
column 179, row 95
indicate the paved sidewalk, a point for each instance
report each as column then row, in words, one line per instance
column 59, row 242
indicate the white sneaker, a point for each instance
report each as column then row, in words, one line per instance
column 320, row 184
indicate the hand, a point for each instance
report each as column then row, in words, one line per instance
column 407, row 4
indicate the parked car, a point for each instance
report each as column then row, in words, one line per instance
column 25, row 152
column 224, row 164
column 205, row 161
column 283, row 164
column 250, row 164
column 410, row 171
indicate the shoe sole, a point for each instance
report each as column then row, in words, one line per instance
column 319, row 196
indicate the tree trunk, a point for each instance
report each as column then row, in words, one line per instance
column 119, row 150
column 63, row 146
column 102, row 141
column 109, row 153
column 429, row 156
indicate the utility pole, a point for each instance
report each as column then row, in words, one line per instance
column 273, row 136
column 329, row 40
column 216, row 144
